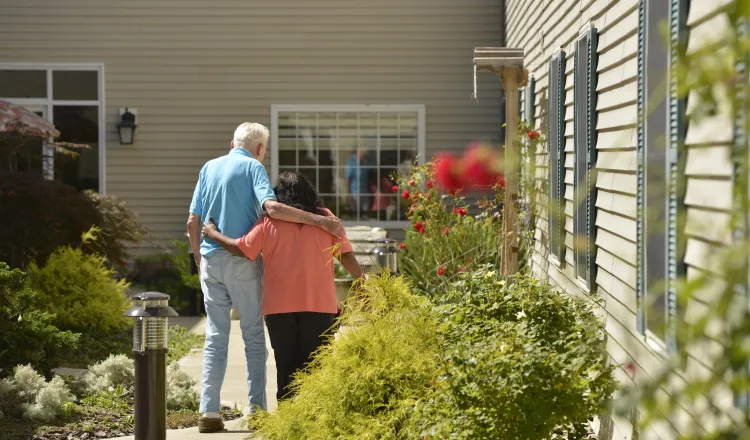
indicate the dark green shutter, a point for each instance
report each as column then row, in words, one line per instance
column 585, row 156
column 532, row 101
column 520, row 102
column 556, row 145
column 675, row 248
column 640, row 152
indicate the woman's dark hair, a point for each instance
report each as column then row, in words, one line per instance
column 295, row 190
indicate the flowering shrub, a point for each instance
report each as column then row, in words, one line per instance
column 443, row 239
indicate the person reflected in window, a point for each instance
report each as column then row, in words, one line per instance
column 357, row 180
column 299, row 295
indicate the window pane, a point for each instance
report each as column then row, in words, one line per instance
column 75, row 85
column 312, row 176
column 78, row 124
column 287, row 139
column 657, row 58
column 23, row 84
column 326, row 180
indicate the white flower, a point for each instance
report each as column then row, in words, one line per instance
column 521, row 315
column 490, row 274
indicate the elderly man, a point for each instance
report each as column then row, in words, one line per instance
column 233, row 190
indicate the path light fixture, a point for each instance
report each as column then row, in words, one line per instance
column 507, row 63
column 150, row 313
column 386, row 254
column 127, row 126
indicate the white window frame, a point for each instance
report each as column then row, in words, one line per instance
column 50, row 103
column 349, row 108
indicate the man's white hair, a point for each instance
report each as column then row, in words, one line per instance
column 250, row 134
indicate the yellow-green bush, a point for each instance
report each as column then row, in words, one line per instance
column 80, row 290
column 364, row 385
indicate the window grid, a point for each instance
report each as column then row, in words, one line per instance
column 366, row 132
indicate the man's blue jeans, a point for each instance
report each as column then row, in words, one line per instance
column 228, row 280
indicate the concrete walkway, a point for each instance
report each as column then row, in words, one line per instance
column 234, row 391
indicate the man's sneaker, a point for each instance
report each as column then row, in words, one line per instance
column 210, row 424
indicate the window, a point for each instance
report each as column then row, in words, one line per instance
column 350, row 154
column 584, row 224
column 556, row 145
column 661, row 133
column 71, row 97
column 530, row 101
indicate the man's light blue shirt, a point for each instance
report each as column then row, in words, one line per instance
column 357, row 175
column 232, row 189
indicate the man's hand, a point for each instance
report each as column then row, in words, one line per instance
column 209, row 230
column 333, row 226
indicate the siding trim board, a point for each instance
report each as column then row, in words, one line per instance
column 584, row 141
column 556, row 146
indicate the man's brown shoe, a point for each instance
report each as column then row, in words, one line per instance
column 209, row 424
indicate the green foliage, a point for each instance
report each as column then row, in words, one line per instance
column 39, row 216
column 119, row 227
column 518, row 361
column 449, row 243
column 26, row 393
column 114, row 371
column 27, row 334
column 80, row 290
column 180, row 392
column 181, row 342
column 365, row 384
column 175, row 278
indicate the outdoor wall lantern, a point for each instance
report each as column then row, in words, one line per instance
column 126, row 127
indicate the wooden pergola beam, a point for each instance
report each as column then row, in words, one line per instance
column 508, row 64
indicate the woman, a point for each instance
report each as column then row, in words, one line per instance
column 299, row 300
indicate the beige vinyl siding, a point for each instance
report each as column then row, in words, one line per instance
column 542, row 27
column 197, row 69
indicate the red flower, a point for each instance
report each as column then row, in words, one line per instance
column 429, row 196
column 405, row 195
column 460, row 270
column 468, row 259
column 446, row 231
column 412, row 183
column 477, row 164
column 441, row 271
column 402, row 246
column 533, row 135
column 447, row 173
column 461, row 211
column 419, row 226
column 453, row 192
column 395, row 188
column 429, row 184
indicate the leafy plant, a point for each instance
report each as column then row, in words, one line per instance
column 181, row 342
column 119, row 227
column 28, row 334
column 518, row 360
column 80, row 290
column 365, row 383
column 444, row 240
column 175, row 279
column 40, row 216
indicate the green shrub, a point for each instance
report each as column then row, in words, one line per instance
column 180, row 392
column 39, row 216
column 27, row 334
column 27, row 394
column 444, row 240
column 174, row 278
column 80, row 290
column 119, row 226
column 116, row 370
column 519, row 360
column 364, row 385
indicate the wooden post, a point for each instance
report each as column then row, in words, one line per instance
column 508, row 64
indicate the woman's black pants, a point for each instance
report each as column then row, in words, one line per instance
column 294, row 337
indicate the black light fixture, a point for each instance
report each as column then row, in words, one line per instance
column 126, row 128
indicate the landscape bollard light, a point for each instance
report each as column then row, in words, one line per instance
column 386, row 254
column 150, row 312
